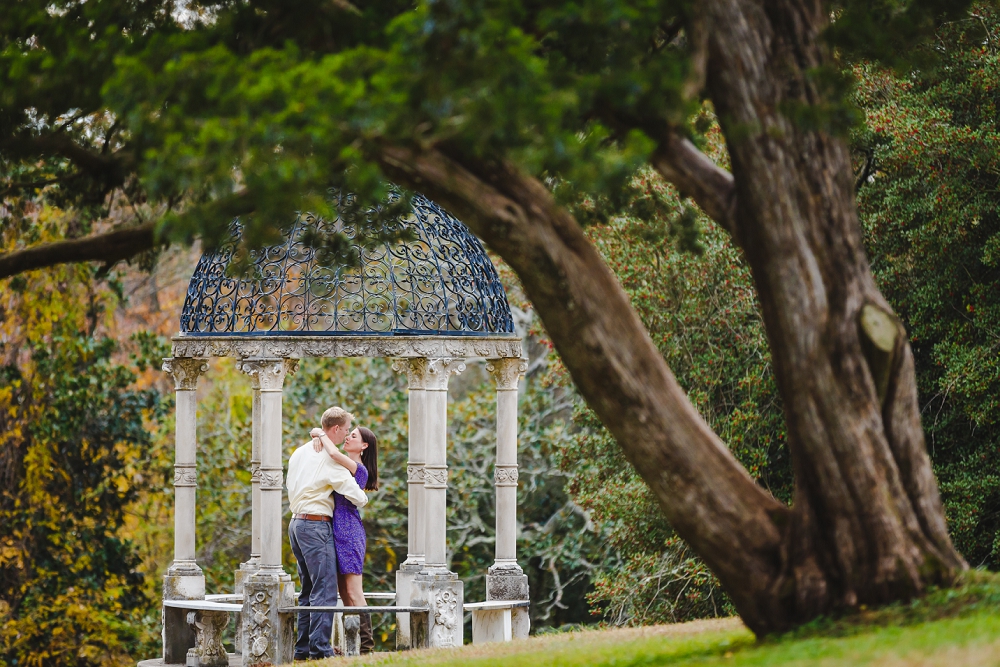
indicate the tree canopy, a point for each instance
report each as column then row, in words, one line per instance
column 186, row 116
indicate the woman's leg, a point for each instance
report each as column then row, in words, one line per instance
column 354, row 592
column 342, row 588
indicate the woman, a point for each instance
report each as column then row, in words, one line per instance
column 360, row 457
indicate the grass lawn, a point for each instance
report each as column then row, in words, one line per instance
column 952, row 628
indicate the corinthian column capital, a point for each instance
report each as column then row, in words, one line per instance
column 415, row 369
column 185, row 371
column 268, row 374
column 422, row 373
column 506, row 371
column 439, row 370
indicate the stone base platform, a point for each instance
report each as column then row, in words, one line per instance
column 235, row 660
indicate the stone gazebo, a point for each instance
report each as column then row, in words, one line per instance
column 430, row 304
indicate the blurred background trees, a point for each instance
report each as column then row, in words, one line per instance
column 76, row 452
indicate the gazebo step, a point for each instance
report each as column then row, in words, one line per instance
column 493, row 605
column 203, row 605
column 235, row 660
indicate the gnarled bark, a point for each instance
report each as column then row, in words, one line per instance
column 867, row 524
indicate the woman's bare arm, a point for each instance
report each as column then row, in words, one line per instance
column 340, row 457
column 337, row 455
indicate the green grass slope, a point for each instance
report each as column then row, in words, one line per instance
column 948, row 628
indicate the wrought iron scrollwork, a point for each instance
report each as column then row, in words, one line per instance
column 440, row 282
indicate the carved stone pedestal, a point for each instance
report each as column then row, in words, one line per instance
column 268, row 637
column 180, row 583
column 208, row 649
column 444, row 594
column 184, row 583
column 352, row 635
column 510, row 584
column 404, row 586
column 241, row 577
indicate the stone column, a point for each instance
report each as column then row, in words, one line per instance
column 436, row 586
column 268, row 636
column 184, row 579
column 253, row 564
column 505, row 580
column 416, row 372
column 247, row 568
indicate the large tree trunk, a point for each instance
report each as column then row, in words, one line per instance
column 867, row 525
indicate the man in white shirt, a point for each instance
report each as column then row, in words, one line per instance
column 312, row 478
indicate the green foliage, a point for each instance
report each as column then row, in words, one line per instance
column 294, row 121
column 73, row 452
column 929, row 211
column 200, row 112
column 54, row 60
column 888, row 30
column 234, row 108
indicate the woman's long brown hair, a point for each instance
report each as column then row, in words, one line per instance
column 369, row 457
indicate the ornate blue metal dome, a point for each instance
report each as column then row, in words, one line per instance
column 441, row 283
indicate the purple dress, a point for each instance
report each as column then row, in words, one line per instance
column 348, row 533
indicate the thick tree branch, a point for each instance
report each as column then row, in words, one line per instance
column 705, row 493
column 93, row 162
column 108, row 248
column 696, row 176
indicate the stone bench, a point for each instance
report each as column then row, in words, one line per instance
column 208, row 619
column 205, row 605
column 492, row 620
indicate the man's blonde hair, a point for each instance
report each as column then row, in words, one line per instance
column 336, row 416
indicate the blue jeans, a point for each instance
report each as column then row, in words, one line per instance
column 312, row 544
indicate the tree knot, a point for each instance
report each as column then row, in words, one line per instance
column 881, row 333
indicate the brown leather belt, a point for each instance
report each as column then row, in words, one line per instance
column 312, row 517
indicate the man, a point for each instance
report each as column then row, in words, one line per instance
column 312, row 477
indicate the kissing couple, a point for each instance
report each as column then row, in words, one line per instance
column 326, row 486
